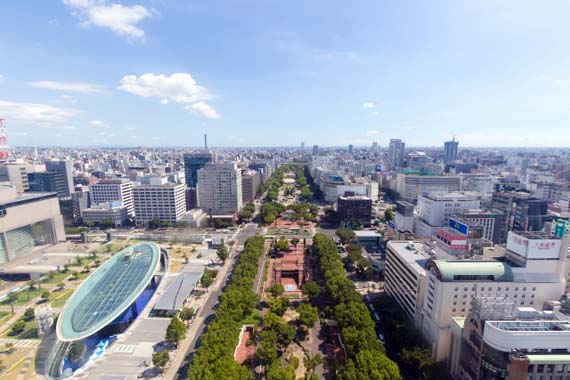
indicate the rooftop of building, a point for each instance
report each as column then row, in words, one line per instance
column 532, row 326
column 25, row 197
column 112, row 181
column 354, row 198
column 369, row 234
column 108, row 291
column 466, row 212
column 416, row 254
column 536, row 235
column 548, row 358
column 454, row 196
column 472, row 270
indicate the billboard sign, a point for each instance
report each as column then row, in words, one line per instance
column 458, row 226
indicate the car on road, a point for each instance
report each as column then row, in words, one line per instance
column 381, row 338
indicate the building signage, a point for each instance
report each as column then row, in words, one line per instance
column 458, row 226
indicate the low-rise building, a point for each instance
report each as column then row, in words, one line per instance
column 354, row 211
column 111, row 213
column 26, row 221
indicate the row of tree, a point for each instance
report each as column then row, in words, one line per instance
column 366, row 357
column 214, row 358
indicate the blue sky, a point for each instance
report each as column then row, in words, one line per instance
column 275, row 73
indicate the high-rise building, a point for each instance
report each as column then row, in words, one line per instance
column 315, row 150
column 374, row 148
column 109, row 190
column 16, row 174
column 302, row 146
column 79, row 202
column 520, row 211
column 52, row 182
column 220, row 190
column 396, row 153
column 350, row 149
column 250, row 182
column 165, row 203
column 435, row 292
column 64, row 167
column 450, row 151
column 194, row 162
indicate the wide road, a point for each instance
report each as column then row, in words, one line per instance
column 210, row 306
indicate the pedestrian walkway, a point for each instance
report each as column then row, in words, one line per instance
column 125, row 348
column 23, row 374
column 24, row 343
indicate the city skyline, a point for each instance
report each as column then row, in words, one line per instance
column 250, row 73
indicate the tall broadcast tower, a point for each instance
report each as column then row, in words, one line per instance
column 4, row 151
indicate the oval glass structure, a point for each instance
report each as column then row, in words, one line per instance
column 108, row 291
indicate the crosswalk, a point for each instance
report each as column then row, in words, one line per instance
column 125, row 348
column 29, row 343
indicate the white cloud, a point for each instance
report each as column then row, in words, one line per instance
column 203, row 109
column 98, row 124
column 35, row 112
column 51, row 126
column 123, row 20
column 2, row 78
column 68, row 99
column 368, row 105
column 176, row 88
column 86, row 88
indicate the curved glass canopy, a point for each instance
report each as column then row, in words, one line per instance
column 108, row 291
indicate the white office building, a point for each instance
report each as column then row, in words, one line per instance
column 166, row 203
column 405, row 275
column 111, row 190
column 220, row 188
column 499, row 340
column 435, row 210
column 531, row 273
column 113, row 213
column 411, row 186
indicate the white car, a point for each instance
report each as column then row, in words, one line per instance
column 381, row 338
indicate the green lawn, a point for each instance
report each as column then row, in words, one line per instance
column 56, row 279
column 29, row 332
column 22, row 297
column 60, row 299
column 3, row 315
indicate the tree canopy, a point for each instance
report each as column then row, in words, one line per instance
column 213, row 359
column 365, row 355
